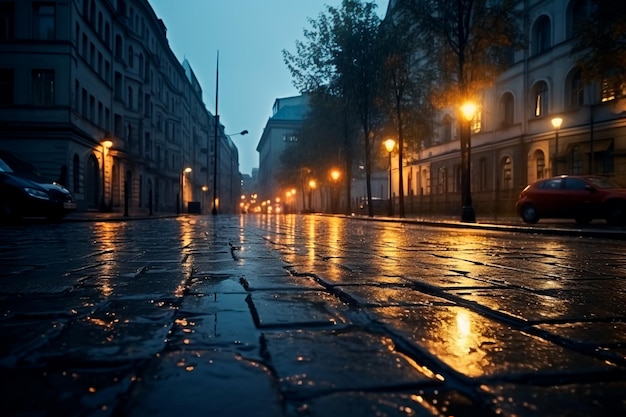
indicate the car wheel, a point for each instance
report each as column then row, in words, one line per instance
column 583, row 219
column 529, row 214
column 616, row 213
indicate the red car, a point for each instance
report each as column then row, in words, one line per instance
column 582, row 198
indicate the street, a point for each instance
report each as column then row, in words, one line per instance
column 294, row 315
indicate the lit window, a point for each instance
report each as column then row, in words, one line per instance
column 540, row 93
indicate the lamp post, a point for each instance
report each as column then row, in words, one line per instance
column 467, row 214
column 216, row 160
column 390, row 144
column 106, row 144
column 312, row 185
column 334, row 176
column 182, row 188
column 556, row 124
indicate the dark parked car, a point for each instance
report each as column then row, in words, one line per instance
column 25, row 193
column 582, row 198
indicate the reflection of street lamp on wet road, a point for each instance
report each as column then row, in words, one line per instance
column 106, row 144
column 467, row 214
column 390, row 144
column 182, row 187
column 556, row 124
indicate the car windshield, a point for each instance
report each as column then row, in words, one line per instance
column 602, row 182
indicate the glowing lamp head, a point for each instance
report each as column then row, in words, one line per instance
column 390, row 144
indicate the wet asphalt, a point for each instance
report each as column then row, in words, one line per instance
column 311, row 316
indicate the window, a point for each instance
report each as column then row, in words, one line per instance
column 43, row 87
column 7, row 21
column 147, row 145
column 541, row 35
column 130, row 97
column 84, row 103
column 457, row 178
column 540, row 99
column 612, row 88
column 131, row 54
column 107, row 35
column 443, row 180
column 92, row 13
column 507, row 107
column 574, row 89
column 477, row 121
column 577, row 13
column 425, row 181
column 92, row 55
column 44, row 21
column 553, row 184
column 7, row 86
column 92, row 108
column 574, row 184
column 118, row 46
column 540, row 164
column 118, row 85
column 507, row 173
column 85, row 45
column 118, row 128
column 447, row 128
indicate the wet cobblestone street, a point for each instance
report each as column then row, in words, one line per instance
column 308, row 316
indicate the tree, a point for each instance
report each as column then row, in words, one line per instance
column 319, row 146
column 601, row 41
column 402, row 94
column 340, row 58
column 470, row 43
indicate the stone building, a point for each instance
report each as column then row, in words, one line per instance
column 93, row 96
column 513, row 140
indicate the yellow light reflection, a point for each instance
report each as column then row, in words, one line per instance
column 105, row 236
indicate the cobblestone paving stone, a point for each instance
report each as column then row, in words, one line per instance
column 308, row 316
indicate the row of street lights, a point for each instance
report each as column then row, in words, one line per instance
column 468, row 111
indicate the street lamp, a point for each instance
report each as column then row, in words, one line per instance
column 467, row 214
column 556, row 124
column 106, row 145
column 312, row 185
column 215, row 159
column 390, row 144
column 334, row 175
column 182, row 187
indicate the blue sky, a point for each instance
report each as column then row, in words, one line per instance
column 250, row 36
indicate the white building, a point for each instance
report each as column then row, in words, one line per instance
column 513, row 139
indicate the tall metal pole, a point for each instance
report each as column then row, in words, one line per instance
column 217, row 122
column 390, row 208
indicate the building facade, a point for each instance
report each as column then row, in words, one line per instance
column 93, row 96
column 513, row 139
column 281, row 130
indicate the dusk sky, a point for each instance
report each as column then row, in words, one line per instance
column 250, row 36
